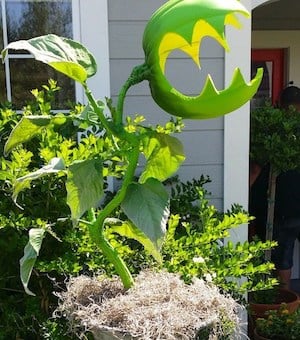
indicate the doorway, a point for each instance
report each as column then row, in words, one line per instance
column 273, row 63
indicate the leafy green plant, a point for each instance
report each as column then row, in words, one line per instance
column 83, row 174
column 275, row 137
column 198, row 244
column 82, row 167
column 120, row 147
column 280, row 324
column 78, row 168
column 42, row 206
column 38, row 207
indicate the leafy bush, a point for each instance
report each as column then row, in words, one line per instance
column 198, row 245
column 42, row 206
column 275, row 137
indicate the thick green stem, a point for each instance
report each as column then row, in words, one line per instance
column 98, row 110
column 138, row 74
column 112, row 255
column 97, row 228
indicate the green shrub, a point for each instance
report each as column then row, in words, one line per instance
column 198, row 244
column 43, row 206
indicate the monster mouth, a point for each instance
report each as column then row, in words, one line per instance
column 202, row 29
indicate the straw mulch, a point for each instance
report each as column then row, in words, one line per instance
column 159, row 306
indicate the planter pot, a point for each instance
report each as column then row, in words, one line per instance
column 258, row 310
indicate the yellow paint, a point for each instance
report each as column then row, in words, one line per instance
column 172, row 41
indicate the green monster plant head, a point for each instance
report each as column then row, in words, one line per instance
column 182, row 24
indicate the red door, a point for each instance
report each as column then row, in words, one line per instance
column 273, row 62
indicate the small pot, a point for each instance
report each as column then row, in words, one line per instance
column 258, row 310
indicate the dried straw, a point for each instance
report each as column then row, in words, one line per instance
column 159, row 306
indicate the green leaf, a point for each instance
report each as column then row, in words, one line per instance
column 147, row 206
column 84, row 186
column 64, row 55
column 31, row 252
column 56, row 164
column 28, row 127
column 129, row 230
column 164, row 155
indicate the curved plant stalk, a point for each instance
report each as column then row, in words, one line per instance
column 138, row 74
column 96, row 229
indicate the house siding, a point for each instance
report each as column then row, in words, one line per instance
column 203, row 140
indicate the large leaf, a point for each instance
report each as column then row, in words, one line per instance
column 56, row 164
column 164, row 155
column 65, row 55
column 31, row 252
column 28, row 127
column 84, row 186
column 147, row 206
column 129, row 230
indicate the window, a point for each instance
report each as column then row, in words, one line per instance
column 25, row 19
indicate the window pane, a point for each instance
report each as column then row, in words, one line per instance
column 2, row 85
column 28, row 74
column 28, row 19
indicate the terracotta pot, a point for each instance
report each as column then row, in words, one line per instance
column 258, row 310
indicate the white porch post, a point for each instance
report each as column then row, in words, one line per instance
column 236, row 125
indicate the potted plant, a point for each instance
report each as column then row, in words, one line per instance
column 116, row 150
column 278, row 324
column 195, row 247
